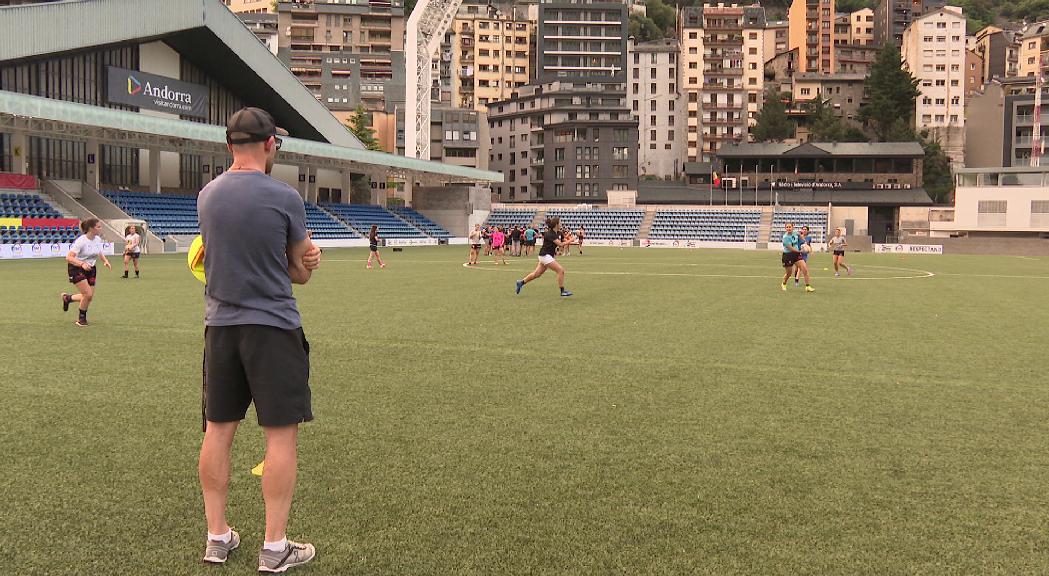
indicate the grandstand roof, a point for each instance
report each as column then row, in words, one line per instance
column 821, row 149
column 53, row 117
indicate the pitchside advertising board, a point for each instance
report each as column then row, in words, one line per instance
column 152, row 92
column 15, row 251
column 908, row 249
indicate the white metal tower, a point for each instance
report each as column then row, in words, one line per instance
column 426, row 27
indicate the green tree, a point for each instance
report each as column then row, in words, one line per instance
column 772, row 122
column 409, row 5
column 663, row 16
column 852, row 5
column 891, row 90
column 936, row 171
column 826, row 126
column 643, row 28
column 360, row 125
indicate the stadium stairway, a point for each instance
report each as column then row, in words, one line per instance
column 765, row 227
column 646, row 224
column 83, row 202
column 539, row 221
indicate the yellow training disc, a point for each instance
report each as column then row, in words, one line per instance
column 195, row 258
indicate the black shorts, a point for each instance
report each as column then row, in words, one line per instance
column 78, row 274
column 373, row 247
column 133, row 255
column 264, row 364
column 790, row 258
column 475, row 246
column 529, row 243
column 839, row 252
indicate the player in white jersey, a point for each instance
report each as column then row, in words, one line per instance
column 132, row 249
column 81, row 267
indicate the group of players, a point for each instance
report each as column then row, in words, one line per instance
column 495, row 241
column 797, row 246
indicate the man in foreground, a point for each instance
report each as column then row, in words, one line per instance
column 256, row 247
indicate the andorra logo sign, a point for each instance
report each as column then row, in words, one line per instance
column 134, row 87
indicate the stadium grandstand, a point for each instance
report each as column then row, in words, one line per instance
column 97, row 143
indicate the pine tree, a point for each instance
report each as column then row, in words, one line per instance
column 891, row 90
column 772, row 122
column 359, row 125
column 936, row 171
column 826, row 126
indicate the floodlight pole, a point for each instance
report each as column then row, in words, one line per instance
column 426, row 27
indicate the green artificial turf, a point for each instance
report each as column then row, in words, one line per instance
column 678, row 415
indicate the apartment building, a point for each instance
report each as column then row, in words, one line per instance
column 1034, row 50
column 583, row 41
column 974, row 79
column 345, row 54
column 934, row 53
column 1000, row 125
column 723, row 58
column 812, row 33
column 843, row 93
column 557, row 142
column 489, row 57
column 855, row 58
column 264, row 26
column 892, row 17
column 861, row 27
column 250, row 6
column 775, row 37
column 1000, row 50
column 658, row 103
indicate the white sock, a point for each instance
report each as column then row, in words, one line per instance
column 277, row 546
column 224, row 538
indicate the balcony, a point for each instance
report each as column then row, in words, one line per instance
column 722, row 105
column 724, row 72
column 731, row 41
column 721, row 86
column 1024, row 119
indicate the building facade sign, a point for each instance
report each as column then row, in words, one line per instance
column 152, row 92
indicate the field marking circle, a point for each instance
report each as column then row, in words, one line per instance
column 917, row 273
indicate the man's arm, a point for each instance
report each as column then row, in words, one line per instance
column 298, row 253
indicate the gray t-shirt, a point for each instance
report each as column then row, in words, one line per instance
column 837, row 243
column 248, row 220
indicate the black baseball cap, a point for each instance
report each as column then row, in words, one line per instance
column 249, row 125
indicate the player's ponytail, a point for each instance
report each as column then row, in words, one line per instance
column 552, row 222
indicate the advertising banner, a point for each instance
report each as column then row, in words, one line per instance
column 613, row 243
column 153, row 92
column 411, row 242
column 908, row 249
column 17, row 251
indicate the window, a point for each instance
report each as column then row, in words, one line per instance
column 652, row 105
column 559, row 189
column 670, row 134
column 805, row 91
column 671, row 105
column 652, row 88
column 620, row 153
column 692, row 36
column 926, row 118
column 559, row 172
column 619, row 171
column 559, row 153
